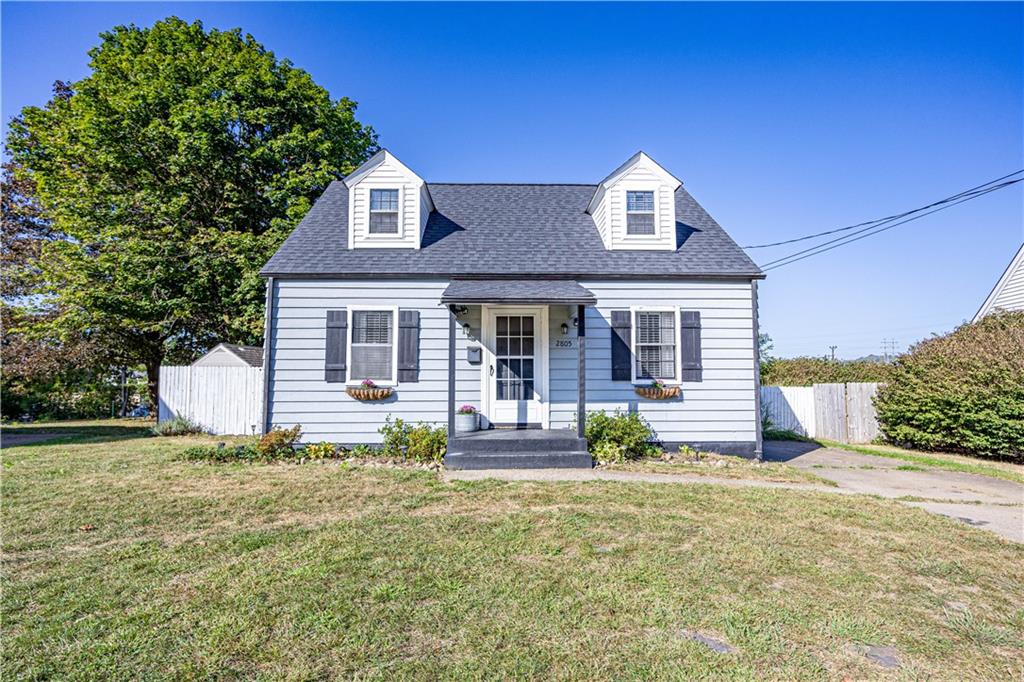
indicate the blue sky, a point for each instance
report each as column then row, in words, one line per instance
column 782, row 119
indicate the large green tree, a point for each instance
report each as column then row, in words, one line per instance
column 172, row 172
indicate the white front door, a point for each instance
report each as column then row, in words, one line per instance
column 516, row 367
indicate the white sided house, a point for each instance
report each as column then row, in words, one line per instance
column 1008, row 293
column 535, row 303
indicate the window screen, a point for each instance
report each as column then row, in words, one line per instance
column 639, row 212
column 383, row 211
column 372, row 344
column 655, row 345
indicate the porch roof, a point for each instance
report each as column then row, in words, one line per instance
column 544, row 291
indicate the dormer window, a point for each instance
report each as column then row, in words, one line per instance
column 383, row 211
column 640, row 213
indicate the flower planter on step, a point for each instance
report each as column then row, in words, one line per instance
column 363, row 393
column 467, row 423
column 652, row 393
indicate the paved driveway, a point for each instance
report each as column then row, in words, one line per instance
column 983, row 502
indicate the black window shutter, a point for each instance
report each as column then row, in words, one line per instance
column 689, row 339
column 622, row 357
column 337, row 339
column 408, row 346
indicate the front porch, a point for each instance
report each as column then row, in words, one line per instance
column 514, row 347
column 518, row 449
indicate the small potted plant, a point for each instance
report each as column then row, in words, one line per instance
column 367, row 390
column 467, row 419
column 657, row 390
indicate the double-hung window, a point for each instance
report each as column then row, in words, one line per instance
column 372, row 345
column 640, row 213
column 383, row 211
column 654, row 344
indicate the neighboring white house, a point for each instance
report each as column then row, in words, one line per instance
column 486, row 294
column 230, row 355
column 1008, row 293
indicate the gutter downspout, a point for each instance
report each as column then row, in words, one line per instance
column 267, row 329
column 759, row 443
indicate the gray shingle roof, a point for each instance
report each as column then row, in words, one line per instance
column 551, row 291
column 253, row 355
column 507, row 231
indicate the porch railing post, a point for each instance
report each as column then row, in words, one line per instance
column 581, row 388
column 451, row 375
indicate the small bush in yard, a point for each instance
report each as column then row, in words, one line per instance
column 420, row 443
column 319, row 451
column 279, row 443
column 619, row 436
column 963, row 391
column 177, row 426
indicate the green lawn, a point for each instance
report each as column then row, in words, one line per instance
column 120, row 562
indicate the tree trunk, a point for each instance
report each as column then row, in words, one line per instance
column 153, row 383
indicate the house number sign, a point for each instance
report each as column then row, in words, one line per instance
column 565, row 343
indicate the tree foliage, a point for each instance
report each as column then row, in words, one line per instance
column 171, row 173
column 963, row 391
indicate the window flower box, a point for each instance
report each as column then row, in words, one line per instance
column 369, row 391
column 657, row 391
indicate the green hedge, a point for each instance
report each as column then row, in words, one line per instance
column 808, row 371
column 961, row 392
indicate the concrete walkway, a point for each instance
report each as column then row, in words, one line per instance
column 988, row 503
column 993, row 504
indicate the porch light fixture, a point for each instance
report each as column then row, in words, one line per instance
column 466, row 328
column 565, row 329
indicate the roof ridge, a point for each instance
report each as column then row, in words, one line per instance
column 517, row 184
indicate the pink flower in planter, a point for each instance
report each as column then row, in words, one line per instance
column 368, row 383
column 467, row 409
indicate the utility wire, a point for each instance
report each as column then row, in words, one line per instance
column 873, row 230
column 896, row 216
column 876, row 226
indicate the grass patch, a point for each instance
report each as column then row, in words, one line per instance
column 122, row 562
column 721, row 466
column 784, row 434
column 935, row 460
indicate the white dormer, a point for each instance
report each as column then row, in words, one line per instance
column 635, row 207
column 388, row 205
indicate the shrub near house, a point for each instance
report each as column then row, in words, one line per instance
column 963, row 391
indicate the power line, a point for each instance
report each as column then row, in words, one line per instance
column 873, row 230
column 896, row 216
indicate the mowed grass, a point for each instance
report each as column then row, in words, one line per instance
column 722, row 466
column 320, row 571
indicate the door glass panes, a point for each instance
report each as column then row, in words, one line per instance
column 514, row 347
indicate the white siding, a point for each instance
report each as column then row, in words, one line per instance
column 642, row 178
column 389, row 174
column 299, row 394
column 718, row 409
column 1008, row 293
column 601, row 217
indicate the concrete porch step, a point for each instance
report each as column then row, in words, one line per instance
column 519, row 459
column 526, row 440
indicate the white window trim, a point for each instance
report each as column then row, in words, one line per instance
column 393, row 381
column 633, row 310
column 399, row 234
column 653, row 212
column 627, row 187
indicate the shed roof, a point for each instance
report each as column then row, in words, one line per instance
column 545, row 291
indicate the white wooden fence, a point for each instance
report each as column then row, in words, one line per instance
column 224, row 400
column 839, row 412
